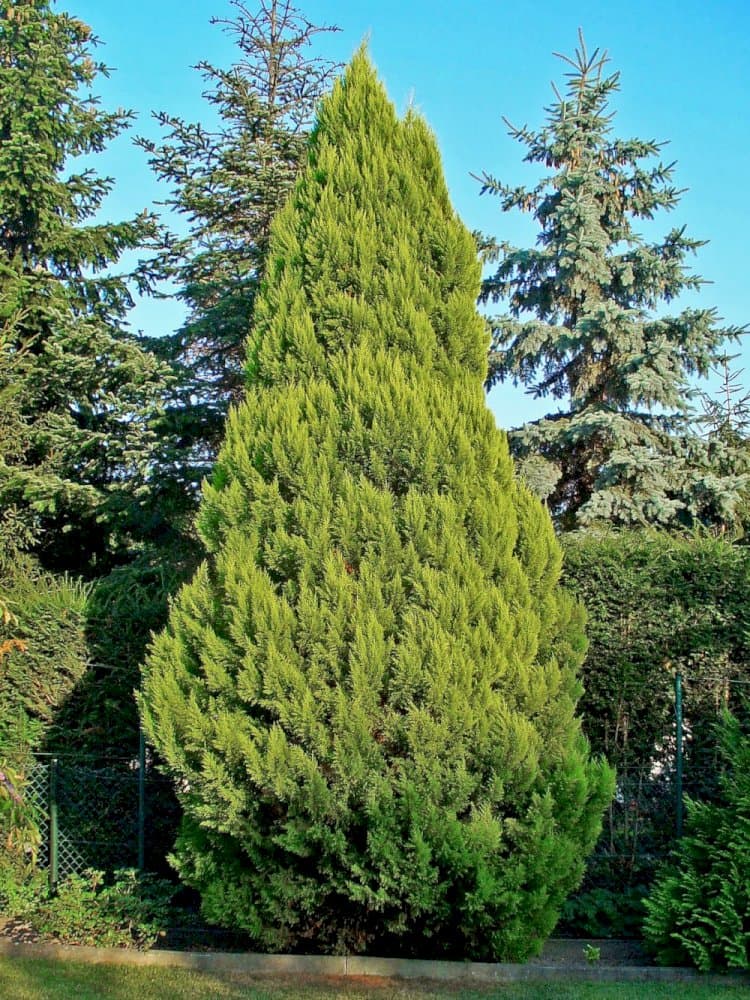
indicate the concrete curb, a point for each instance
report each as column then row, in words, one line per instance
column 341, row 966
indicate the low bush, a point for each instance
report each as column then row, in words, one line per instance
column 130, row 910
column 19, row 842
column 699, row 909
column 604, row 913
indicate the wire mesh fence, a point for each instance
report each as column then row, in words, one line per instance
column 122, row 813
column 100, row 814
column 644, row 821
column 108, row 814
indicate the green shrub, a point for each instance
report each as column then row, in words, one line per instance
column 131, row 911
column 19, row 843
column 21, row 889
column 123, row 610
column 699, row 908
column 43, row 651
column 368, row 693
column 655, row 604
column 605, row 913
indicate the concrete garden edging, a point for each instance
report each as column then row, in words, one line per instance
column 343, row 966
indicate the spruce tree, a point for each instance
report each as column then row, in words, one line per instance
column 586, row 325
column 726, row 415
column 75, row 466
column 367, row 694
column 725, row 426
column 227, row 182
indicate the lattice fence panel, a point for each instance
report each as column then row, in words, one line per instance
column 97, row 813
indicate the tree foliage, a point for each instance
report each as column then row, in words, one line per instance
column 587, row 325
column 43, row 652
column 78, row 390
column 725, row 424
column 367, row 694
column 657, row 604
column 699, row 909
column 726, row 415
column 123, row 610
column 227, row 182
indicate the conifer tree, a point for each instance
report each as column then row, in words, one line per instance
column 227, row 183
column 75, row 466
column 726, row 415
column 725, row 424
column 43, row 651
column 585, row 326
column 367, row 693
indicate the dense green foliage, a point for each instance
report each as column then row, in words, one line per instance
column 586, row 327
column 367, row 694
column 123, row 609
column 128, row 910
column 614, row 909
column 20, row 837
column 43, row 651
column 699, row 908
column 227, row 183
column 74, row 464
column 657, row 604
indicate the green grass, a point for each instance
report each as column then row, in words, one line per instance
column 25, row 979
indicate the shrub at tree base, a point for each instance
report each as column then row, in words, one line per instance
column 367, row 694
column 127, row 910
column 19, row 839
column 699, row 908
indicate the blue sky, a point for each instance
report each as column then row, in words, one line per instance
column 685, row 77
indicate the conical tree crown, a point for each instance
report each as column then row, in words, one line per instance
column 368, row 691
column 588, row 325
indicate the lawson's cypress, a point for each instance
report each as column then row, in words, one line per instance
column 367, row 693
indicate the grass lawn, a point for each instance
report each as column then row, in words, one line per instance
column 23, row 979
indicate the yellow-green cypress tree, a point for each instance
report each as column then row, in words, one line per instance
column 367, row 694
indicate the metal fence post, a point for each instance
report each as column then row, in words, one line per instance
column 678, row 720
column 141, row 800
column 54, row 832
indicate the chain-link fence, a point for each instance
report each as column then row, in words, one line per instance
column 115, row 813
column 645, row 818
column 101, row 814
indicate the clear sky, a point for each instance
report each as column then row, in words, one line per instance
column 685, row 77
